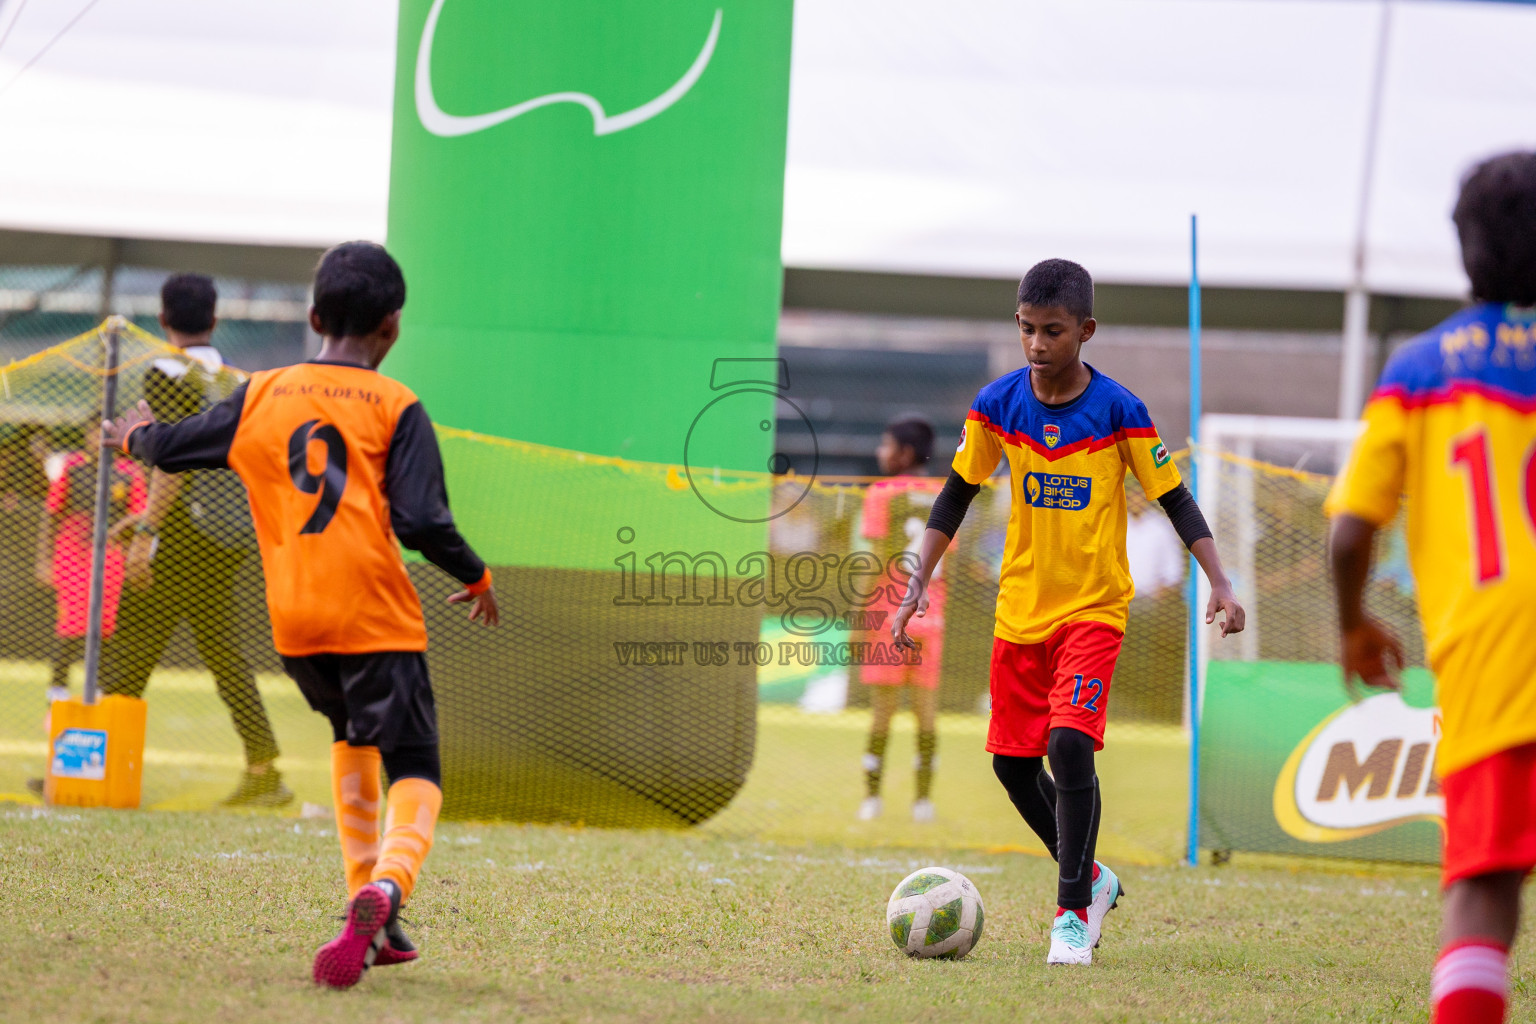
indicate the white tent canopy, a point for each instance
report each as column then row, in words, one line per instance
column 967, row 138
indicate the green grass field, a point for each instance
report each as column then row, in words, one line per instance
column 805, row 785
column 122, row 916
column 774, row 910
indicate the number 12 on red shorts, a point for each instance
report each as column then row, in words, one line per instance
column 1062, row 682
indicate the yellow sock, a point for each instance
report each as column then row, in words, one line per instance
column 355, row 788
column 408, row 828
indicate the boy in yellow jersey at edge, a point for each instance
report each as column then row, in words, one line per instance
column 1070, row 434
column 1452, row 427
column 341, row 467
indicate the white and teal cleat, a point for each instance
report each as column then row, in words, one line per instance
column 1107, row 891
column 1070, row 941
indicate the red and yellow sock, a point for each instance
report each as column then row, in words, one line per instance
column 355, row 788
column 1470, row 983
column 408, row 828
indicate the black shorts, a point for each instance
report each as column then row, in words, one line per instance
column 385, row 697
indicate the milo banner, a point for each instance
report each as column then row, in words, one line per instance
column 1289, row 765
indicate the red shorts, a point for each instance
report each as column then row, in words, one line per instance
column 928, row 631
column 72, row 587
column 1061, row 682
column 1490, row 815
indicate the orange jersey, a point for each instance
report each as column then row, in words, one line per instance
column 337, row 461
column 1452, row 428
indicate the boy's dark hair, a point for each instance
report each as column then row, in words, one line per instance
column 914, row 432
column 1058, row 283
column 357, row 285
column 1495, row 217
column 187, row 301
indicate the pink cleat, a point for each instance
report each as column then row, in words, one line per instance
column 342, row 961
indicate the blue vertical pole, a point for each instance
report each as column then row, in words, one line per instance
column 1192, row 589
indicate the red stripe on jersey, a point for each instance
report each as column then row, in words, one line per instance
column 1455, row 392
column 1087, row 444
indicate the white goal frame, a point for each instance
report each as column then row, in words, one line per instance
column 1239, row 435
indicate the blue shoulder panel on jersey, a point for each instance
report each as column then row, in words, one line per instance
column 1488, row 347
column 1100, row 416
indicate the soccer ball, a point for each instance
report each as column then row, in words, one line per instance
column 935, row 912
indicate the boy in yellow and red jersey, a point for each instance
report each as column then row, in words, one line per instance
column 1452, row 426
column 341, row 466
column 1070, row 434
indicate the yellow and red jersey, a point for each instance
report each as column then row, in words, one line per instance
column 1452, row 428
column 1064, row 559
column 339, row 462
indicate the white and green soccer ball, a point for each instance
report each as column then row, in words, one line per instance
column 935, row 912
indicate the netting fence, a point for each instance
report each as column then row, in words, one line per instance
column 1288, row 763
column 671, row 673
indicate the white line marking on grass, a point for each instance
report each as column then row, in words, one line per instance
column 34, row 813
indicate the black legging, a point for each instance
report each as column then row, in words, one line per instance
column 1061, row 808
column 194, row 579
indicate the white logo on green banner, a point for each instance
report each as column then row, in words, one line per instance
column 437, row 121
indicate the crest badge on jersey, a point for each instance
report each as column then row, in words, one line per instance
column 961, row 446
column 1052, row 435
column 1160, row 454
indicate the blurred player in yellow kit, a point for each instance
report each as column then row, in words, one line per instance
column 342, row 467
column 1452, row 427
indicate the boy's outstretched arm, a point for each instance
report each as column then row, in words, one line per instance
column 1367, row 648
column 1189, row 522
column 197, row 442
column 1223, row 600
column 419, row 515
column 944, row 520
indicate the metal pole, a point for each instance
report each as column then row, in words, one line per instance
column 110, row 337
column 1192, row 587
column 1357, row 300
column 108, row 279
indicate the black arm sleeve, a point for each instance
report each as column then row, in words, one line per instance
column 197, row 442
column 1185, row 515
column 950, row 506
column 418, row 498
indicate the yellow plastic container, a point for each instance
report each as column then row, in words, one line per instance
column 96, row 752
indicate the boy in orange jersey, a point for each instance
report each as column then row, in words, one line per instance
column 1070, row 435
column 341, row 463
column 1452, row 426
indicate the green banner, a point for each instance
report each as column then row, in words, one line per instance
column 586, row 198
column 1289, row 765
